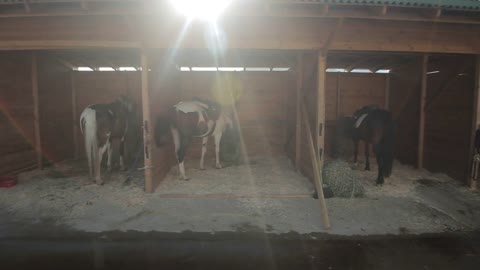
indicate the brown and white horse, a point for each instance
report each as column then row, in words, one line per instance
column 188, row 119
column 100, row 124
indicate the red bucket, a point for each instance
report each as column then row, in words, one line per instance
column 7, row 181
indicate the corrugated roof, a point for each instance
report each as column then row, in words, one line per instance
column 444, row 4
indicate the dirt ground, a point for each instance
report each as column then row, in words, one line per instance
column 410, row 202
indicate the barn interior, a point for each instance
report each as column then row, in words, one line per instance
column 286, row 72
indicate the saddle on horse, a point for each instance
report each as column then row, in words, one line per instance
column 362, row 113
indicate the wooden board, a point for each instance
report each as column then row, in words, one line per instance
column 16, row 112
column 254, row 33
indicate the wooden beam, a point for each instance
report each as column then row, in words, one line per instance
column 64, row 44
column 26, row 5
column 320, row 115
column 331, row 36
column 317, row 172
column 387, row 91
column 475, row 119
column 384, row 10
column 423, row 97
column 298, row 121
column 36, row 110
column 75, row 119
column 64, row 62
column 147, row 127
column 339, row 96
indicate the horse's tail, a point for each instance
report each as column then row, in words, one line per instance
column 162, row 126
column 388, row 147
column 88, row 127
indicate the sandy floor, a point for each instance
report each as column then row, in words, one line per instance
column 411, row 201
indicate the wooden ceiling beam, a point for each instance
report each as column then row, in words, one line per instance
column 63, row 62
column 384, row 13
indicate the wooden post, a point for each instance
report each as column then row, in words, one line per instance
column 36, row 111
column 387, row 92
column 320, row 116
column 339, row 96
column 476, row 118
column 298, row 122
column 317, row 176
column 423, row 97
column 146, row 122
column 74, row 115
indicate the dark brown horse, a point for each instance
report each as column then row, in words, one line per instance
column 100, row 124
column 373, row 126
column 188, row 119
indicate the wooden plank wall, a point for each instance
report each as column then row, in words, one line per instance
column 449, row 115
column 16, row 112
column 405, row 85
column 55, row 110
column 261, row 108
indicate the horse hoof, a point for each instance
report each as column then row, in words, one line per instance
column 378, row 184
column 219, row 166
column 123, row 169
column 202, row 168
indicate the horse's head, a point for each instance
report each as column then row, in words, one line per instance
column 126, row 103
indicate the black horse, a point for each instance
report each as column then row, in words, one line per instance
column 373, row 126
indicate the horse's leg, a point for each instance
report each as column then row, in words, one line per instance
column 204, row 151
column 376, row 149
column 176, row 142
column 218, row 137
column 100, row 152
column 182, row 151
column 367, row 155
column 355, row 151
column 121, row 152
column 109, row 156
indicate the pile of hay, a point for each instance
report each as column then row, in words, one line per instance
column 342, row 180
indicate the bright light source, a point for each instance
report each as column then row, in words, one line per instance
column 106, row 69
column 127, row 69
column 84, row 69
column 383, row 71
column 433, row 72
column 204, row 69
column 360, row 70
column 280, row 69
column 336, row 70
column 230, row 68
column 201, row 9
column 184, row 69
column 257, row 69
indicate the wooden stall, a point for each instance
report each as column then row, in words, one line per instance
column 56, row 38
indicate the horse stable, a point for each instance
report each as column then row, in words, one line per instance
column 285, row 70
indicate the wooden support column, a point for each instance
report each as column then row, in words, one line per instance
column 317, row 171
column 75, row 119
column 298, row 121
column 475, row 119
column 423, row 97
column 320, row 115
column 338, row 110
column 36, row 111
column 147, row 129
column 387, row 92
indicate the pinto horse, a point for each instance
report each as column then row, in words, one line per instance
column 189, row 119
column 100, row 124
column 373, row 126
